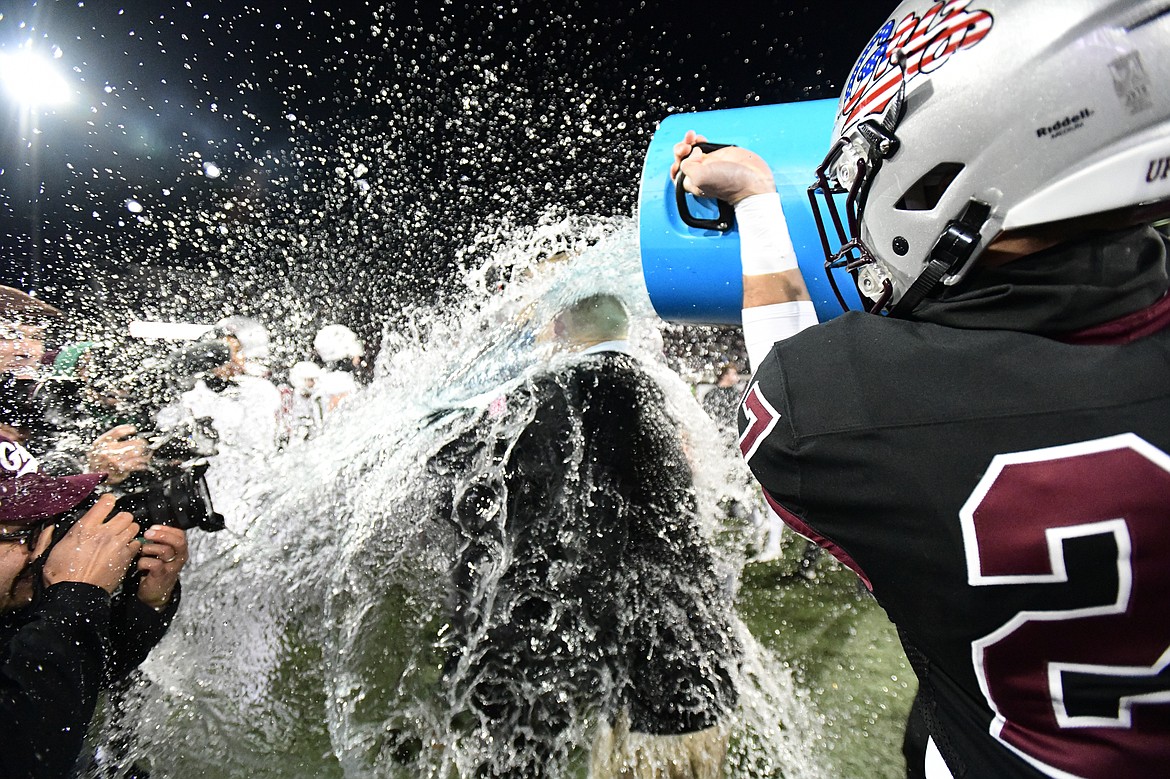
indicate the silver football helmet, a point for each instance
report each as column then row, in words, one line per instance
column 968, row 119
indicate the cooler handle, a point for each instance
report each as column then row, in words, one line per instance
column 726, row 212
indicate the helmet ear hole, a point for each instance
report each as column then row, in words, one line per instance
column 925, row 194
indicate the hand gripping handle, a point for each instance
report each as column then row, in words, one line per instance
column 726, row 213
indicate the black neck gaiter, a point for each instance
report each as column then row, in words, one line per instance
column 1061, row 290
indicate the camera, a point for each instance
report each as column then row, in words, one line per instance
column 180, row 499
column 173, row 489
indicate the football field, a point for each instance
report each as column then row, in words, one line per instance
column 843, row 651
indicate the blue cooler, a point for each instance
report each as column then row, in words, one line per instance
column 693, row 274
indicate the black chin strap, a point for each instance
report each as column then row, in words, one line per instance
column 953, row 248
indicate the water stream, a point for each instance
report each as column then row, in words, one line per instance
column 339, row 163
column 308, row 642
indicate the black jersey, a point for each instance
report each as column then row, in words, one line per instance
column 1007, row 499
column 582, row 581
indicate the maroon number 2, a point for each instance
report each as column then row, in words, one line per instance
column 1079, row 678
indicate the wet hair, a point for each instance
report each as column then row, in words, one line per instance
column 600, row 317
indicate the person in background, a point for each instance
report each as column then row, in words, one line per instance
column 23, row 343
column 245, row 411
column 990, row 451
column 23, row 321
column 83, row 600
column 116, row 451
column 582, row 580
column 721, row 402
column 254, row 343
column 300, row 403
column 341, row 352
column 244, row 408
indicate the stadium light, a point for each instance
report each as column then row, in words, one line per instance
column 33, row 82
column 32, row 79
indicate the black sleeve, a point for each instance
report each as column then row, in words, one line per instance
column 514, row 466
column 537, row 462
column 51, row 676
column 135, row 629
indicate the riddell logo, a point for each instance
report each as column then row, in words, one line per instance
column 1065, row 125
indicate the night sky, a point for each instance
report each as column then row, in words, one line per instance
column 353, row 151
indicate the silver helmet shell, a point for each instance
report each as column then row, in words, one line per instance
column 1040, row 110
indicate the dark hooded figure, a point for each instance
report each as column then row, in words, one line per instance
column 582, row 583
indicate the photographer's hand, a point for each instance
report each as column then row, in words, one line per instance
column 162, row 559
column 118, row 453
column 96, row 550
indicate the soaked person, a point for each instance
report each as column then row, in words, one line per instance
column 72, row 620
column 989, row 452
column 583, row 582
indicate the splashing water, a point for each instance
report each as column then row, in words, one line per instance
column 309, row 638
column 337, row 163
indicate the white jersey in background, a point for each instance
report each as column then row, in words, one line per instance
column 246, row 416
column 333, row 387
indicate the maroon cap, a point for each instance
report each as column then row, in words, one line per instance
column 18, row 305
column 27, row 495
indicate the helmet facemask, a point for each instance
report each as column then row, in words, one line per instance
column 849, row 169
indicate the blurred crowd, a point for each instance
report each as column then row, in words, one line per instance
column 120, row 405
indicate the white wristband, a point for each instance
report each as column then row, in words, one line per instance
column 764, row 243
column 765, row 325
